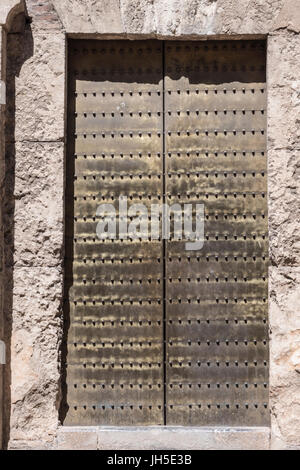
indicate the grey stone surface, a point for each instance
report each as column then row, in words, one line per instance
column 77, row 439
column 28, row 445
column 285, row 356
column 284, row 217
column 184, row 439
column 283, row 91
column 158, row 438
column 168, row 17
column 289, row 17
column 36, row 76
column 284, row 210
column 35, row 341
column 8, row 10
column 38, row 214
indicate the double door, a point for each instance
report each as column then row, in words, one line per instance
column 158, row 334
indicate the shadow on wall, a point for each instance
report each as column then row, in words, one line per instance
column 19, row 50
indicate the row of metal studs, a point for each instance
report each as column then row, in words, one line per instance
column 168, row 113
column 224, row 45
column 150, row 365
column 178, row 259
column 196, row 300
column 172, row 239
column 215, row 216
column 169, row 91
column 188, row 321
column 190, row 343
column 187, row 195
column 188, row 132
column 198, row 153
column 196, row 279
column 187, row 174
column 150, row 407
column 120, row 70
column 174, row 385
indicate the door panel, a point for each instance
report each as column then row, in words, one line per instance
column 115, row 358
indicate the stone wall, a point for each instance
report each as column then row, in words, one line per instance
column 34, row 225
column 2, row 172
column 284, row 221
column 34, row 188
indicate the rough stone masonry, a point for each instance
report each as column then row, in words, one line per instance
column 32, row 142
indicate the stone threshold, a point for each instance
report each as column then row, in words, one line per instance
column 163, row 438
